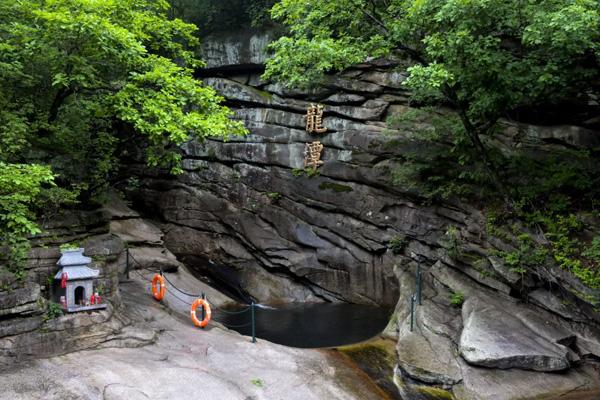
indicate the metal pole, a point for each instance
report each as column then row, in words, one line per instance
column 419, row 280
column 412, row 311
column 203, row 312
column 127, row 262
column 253, row 324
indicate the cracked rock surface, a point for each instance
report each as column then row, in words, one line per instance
column 185, row 363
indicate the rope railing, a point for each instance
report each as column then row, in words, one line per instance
column 250, row 308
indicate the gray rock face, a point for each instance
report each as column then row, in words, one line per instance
column 349, row 234
column 242, row 49
column 496, row 337
column 27, row 332
column 20, row 301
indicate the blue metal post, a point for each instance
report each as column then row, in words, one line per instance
column 127, row 262
column 253, row 324
column 412, row 311
column 419, row 283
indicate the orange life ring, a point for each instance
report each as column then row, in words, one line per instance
column 159, row 292
column 203, row 303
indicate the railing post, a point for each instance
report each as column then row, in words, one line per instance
column 412, row 311
column 419, row 281
column 253, row 323
column 127, row 262
column 203, row 311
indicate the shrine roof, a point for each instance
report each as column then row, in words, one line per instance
column 73, row 257
column 74, row 273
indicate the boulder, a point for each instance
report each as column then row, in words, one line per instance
column 494, row 336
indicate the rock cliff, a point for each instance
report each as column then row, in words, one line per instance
column 245, row 210
column 28, row 330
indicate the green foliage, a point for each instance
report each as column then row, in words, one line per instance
column 257, row 382
column 274, row 196
column 69, row 246
column 568, row 251
column 398, row 243
column 452, row 242
column 493, row 55
column 54, row 310
column 438, row 162
column 308, row 171
column 564, row 248
column 336, row 187
column 20, row 188
column 553, row 183
column 457, row 298
column 77, row 80
column 485, row 58
column 527, row 257
column 593, row 251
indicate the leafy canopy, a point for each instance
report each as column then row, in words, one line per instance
column 486, row 57
column 78, row 78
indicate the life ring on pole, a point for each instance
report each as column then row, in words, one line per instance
column 204, row 304
column 158, row 291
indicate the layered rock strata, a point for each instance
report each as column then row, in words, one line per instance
column 348, row 234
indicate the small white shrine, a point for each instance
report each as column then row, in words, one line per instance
column 77, row 281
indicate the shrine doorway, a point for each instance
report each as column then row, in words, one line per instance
column 79, row 295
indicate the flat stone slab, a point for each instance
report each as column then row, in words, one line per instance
column 137, row 231
column 495, row 336
column 153, row 258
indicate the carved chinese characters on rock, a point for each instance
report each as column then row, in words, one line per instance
column 312, row 155
column 314, row 119
column 314, row 124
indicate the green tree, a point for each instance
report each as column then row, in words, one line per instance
column 80, row 77
column 483, row 57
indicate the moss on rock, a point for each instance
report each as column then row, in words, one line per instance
column 336, row 187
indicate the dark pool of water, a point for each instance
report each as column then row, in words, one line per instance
column 310, row 325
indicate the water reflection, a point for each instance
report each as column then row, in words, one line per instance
column 311, row 325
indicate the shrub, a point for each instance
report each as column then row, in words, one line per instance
column 54, row 310
column 457, row 298
column 398, row 243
